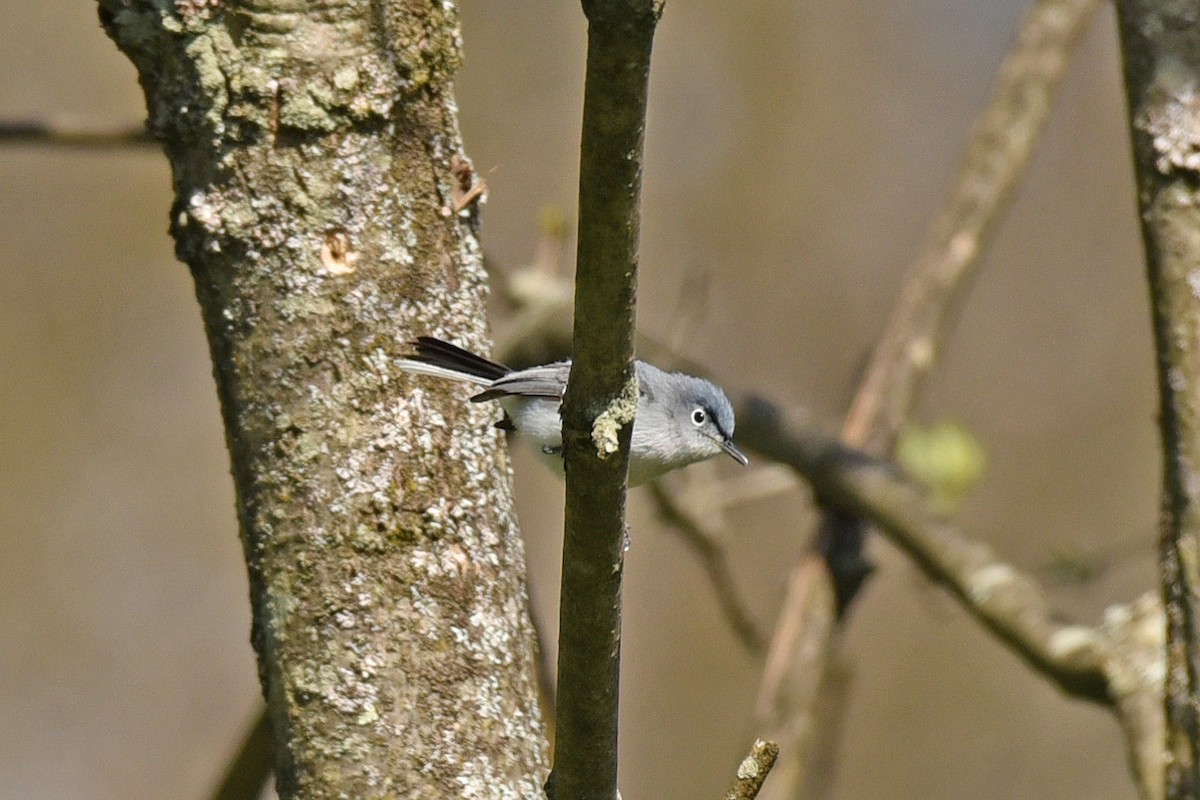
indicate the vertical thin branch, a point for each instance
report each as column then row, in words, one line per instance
column 601, row 397
column 1160, row 41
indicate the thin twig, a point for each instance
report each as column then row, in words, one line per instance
column 766, row 481
column 995, row 162
column 693, row 530
column 753, row 771
column 66, row 134
column 994, row 165
column 547, row 687
column 1005, row 601
column 784, row 704
column 250, row 768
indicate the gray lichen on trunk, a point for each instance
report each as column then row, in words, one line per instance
column 316, row 158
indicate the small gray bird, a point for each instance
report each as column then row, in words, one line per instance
column 680, row 419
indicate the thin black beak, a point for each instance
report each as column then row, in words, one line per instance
column 737, row 455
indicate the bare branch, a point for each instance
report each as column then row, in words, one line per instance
column 753, row 771
column 701, row 539
column 250, row 768
column 73, row 135
column 1136, row 675
column 601, row 397
column 1160, row 40
column 993, row 167
column 995, row 163
column 801, row 657
column 1005, row 601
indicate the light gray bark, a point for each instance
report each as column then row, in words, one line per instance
column 316, row 164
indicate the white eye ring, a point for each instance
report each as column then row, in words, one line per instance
column 699, row 417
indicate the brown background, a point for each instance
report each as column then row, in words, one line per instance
column 795, row 153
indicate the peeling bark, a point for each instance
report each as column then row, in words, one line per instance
column 316, row 163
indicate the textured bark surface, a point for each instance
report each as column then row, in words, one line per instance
column 317, row 163
column 1160, row 42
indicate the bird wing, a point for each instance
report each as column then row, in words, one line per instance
column 547, row 381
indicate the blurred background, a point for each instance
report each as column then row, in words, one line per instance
column 795, row 154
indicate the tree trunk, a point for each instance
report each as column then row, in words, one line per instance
column 319, row 179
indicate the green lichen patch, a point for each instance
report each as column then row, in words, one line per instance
column 619, row 413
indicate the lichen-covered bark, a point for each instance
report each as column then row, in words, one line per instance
column 316, row 164
column 1160, row 41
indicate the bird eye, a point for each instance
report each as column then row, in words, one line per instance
column 699, row 417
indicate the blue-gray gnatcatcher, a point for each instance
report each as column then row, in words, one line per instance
column 680, row 419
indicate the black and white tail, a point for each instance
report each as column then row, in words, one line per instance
column 440, row 359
